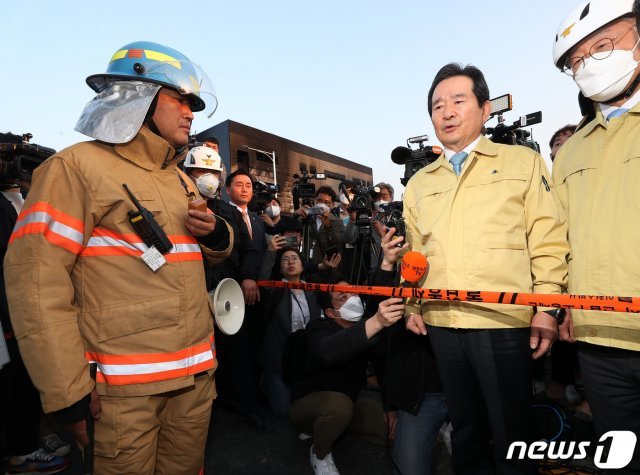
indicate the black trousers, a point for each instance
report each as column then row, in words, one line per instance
column 612, row 381
column 238, row 374
column 20, row 409
column 486, row 376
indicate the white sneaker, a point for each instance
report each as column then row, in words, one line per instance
column 572, row 394
column 326, row 466
column 304, row 436
column 445, row 433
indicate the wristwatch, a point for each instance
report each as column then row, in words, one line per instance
column 558, row 313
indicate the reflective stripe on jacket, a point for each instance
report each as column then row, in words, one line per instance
column 79, row 290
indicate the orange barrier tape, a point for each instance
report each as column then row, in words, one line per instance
column 584, row 302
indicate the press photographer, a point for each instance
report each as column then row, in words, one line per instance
column 263, row 194
column 365, row 230
column 322, row 231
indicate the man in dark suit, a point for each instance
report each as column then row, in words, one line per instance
column 237, row 376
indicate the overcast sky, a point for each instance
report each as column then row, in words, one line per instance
column 347, row 77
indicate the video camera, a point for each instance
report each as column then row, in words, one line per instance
column 362, row 205
column 512, row 134
column 263, row 193
column 304, row 193
column 18, row 157
column 415, row 159
column 391, row 217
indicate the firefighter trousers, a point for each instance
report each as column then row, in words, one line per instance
column 159, row 434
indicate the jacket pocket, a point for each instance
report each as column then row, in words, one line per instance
column 577, row 172
column 503, row 262
column 495, row 178
column 515, row 241
column 135, row 318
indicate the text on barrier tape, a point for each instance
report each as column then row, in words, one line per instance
column 584, row 302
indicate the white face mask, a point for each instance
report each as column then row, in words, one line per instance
column 352, row 310
column 379, row 205
column 207, row 185
column 603, row 79
column 273, row 211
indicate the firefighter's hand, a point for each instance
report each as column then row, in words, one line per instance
column 250, row 291
column 200, row 223
column 79, row 429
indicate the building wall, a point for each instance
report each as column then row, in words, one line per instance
column 291, row 158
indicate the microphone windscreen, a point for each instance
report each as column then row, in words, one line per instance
column 413, row 266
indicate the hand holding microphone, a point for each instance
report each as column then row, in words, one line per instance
column 412, row 268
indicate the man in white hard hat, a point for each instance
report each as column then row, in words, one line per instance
column 596, row 174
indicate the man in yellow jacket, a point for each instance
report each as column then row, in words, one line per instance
column 485, row 217
column 597, row 176
column 88, row 286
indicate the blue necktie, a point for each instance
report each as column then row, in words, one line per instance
column 616, row 113
column 457, row 160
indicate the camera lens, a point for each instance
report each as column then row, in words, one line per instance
column 361, row 202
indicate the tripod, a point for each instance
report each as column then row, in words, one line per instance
column 365, row 248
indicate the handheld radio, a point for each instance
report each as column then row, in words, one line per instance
column 147, row 227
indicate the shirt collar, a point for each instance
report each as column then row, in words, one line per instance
column 448, row 153
column 242, row 210
column 607, row 109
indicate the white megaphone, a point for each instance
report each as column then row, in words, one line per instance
column 227, row 302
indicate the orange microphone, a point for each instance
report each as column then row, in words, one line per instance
column 413, row 267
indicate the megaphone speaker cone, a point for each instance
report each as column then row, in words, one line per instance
column 228, row 306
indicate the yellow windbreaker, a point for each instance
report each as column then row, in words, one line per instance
column 497, row 227
column 597, row 176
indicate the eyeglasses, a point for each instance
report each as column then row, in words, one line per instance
column 291, row 259
column 600, row 50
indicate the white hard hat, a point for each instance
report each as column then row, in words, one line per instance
column 586, row 18
column 203, row 157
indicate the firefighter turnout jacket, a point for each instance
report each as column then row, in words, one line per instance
column 79, row 290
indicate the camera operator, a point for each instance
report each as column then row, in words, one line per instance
column 487, row 219
column 272, row 217
column 383, row 197
column 344, row 200
column 596, row 175
column 289, row 238
column 326, row 231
